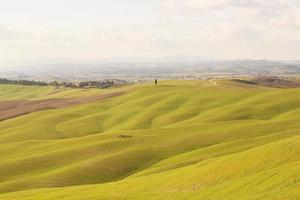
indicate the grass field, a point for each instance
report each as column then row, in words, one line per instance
column 210, row 140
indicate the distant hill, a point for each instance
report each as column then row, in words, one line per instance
column 166, row 68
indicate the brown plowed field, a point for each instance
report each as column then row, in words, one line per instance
column 11, row 109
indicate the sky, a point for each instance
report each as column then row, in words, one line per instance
column 107, row 29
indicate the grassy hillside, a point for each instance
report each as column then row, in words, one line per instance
column 177, row 140
column 19, row 92
column 13, row 92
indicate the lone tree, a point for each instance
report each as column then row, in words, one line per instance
column 156, row 81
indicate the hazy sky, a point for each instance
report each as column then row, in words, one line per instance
column 96, row 29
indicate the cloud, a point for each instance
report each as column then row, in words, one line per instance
column 233, row 32
column 195, row 4
column 182, row 27
column 259, row 8
column 224, row 4
column 6, row 33
column 263, row 15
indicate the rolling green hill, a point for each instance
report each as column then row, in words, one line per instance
column 205, row 140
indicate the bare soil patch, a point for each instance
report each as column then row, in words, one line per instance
column 11, row 109
column 273, row 81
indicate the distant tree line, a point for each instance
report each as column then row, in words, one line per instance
column 85, row 84
column 89, row 84
column 22, row 82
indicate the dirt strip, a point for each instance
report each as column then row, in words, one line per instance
column 11, row 109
